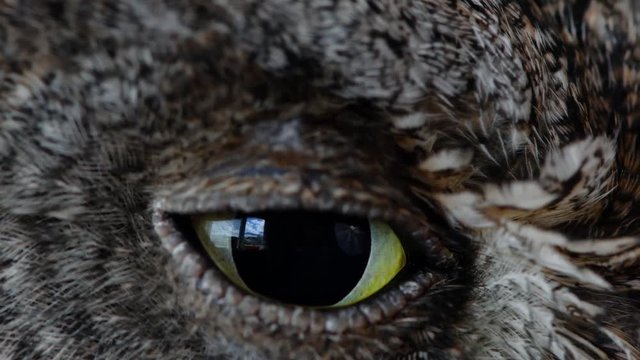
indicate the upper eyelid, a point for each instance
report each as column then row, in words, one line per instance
column 376, row 195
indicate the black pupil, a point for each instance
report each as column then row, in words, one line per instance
column 311, row 259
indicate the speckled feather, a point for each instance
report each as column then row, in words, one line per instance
column 509, row 129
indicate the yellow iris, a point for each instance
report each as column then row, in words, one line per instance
column 386, row 256
column 386, row 260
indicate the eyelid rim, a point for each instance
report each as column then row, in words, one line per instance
column 239, row 195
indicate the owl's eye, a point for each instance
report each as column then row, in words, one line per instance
column 303, row 258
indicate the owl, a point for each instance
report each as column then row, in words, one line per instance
column 320, row 179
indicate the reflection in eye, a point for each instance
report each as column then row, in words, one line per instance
column 304, row 258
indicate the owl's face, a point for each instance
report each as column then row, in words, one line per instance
column 309, row 179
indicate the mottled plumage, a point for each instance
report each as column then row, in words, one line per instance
column 503, row 135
